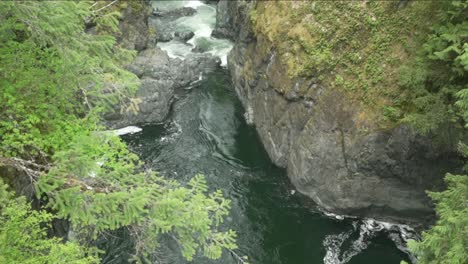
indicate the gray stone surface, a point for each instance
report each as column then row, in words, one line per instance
column 175, row 13
column 319, row 140
column 133, row 26
column 162, row 25
column 160, row 76
column 231, row 17
column 184, row 35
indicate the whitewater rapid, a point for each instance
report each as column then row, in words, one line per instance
column 201, row 24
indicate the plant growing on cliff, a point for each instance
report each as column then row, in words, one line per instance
column 56, row 80
column 445, row 67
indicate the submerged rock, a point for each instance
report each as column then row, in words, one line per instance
column 184, row 35
column 164, row 37
column 199, row 49
column 175, row 13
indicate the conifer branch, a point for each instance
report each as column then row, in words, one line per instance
column 235, row 255
column 85, row 97
column 32, row 169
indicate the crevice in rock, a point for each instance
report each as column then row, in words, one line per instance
column 343, row 151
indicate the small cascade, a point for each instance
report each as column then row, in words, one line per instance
column 201, row 24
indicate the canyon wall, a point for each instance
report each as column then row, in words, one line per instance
column 333, row 152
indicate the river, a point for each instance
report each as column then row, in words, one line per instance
column 206, row 133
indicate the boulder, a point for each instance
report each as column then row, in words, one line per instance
column 184, row 35
column 199, row 49
column 160, row 76
column 175, row 13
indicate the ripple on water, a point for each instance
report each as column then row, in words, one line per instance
column 209, row 135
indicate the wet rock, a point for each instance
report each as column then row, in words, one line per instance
column 154, row 100
column 164, row 36
column 162, row 27
column 184, row 35
column 159, row 31
column 221, row 33
column 175, row 13
column 199, row 49
column 196, row 64
column 155, row 63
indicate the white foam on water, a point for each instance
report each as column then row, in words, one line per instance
column 338, row 217
column 174, row 129
column 176, row 49
column 126, row 130
column 368, row 229
column 202, row 24
column 193, row 4
column 333, row 245
column 222, row 54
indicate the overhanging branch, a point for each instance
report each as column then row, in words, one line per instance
column 32, row 169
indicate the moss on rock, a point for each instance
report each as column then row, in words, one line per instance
column 358, row 47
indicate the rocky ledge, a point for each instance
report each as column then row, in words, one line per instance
column 160, row 77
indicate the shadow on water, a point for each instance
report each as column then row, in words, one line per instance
column 206, row 133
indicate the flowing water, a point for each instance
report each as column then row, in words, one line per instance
column 206, row 133
column 201, row 24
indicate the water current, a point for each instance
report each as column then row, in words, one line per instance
column 206, row 133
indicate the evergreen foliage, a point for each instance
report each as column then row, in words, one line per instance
column 441, row 99
column 23, row 236
column 436, row 81
column 447, row 240
column 56, row 80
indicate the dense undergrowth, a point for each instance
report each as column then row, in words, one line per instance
column 56, row 81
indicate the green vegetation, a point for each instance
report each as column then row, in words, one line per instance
column 435, row 83
column 56, row 81
column 23, row 235
column 356, row 47
column 447, row 240
column 441, row 100
column 375, row 52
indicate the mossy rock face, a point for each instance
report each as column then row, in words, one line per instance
column 357, row 47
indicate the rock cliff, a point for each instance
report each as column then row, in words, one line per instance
column 133, row 25
column 333, row 153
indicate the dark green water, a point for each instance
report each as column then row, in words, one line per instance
column 206, row 133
